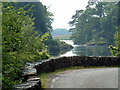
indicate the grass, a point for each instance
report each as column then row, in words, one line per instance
column 62, row 37
column 46, row 77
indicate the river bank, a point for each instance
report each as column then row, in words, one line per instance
column 57, row 47
column 87, row 50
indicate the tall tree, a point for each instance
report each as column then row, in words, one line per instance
column 42, row 16
column 96, row 24
column 115, row 50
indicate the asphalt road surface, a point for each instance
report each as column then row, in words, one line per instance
column 87, row 78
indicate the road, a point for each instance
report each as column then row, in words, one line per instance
column 87, row 78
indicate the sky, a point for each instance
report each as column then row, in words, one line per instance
column 63, row 10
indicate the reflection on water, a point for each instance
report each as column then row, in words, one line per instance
column 91, row 51
column 83, row 50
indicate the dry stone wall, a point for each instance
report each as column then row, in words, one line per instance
column 31, row 70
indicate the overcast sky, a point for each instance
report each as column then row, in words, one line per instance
column 63, row 10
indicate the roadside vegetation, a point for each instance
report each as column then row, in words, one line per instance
column 115, row 50
column 26, row 28
column 20, row 44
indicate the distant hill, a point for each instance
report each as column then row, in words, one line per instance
column 60, row 31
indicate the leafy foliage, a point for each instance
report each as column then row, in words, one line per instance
column 20, row 44
column 42, row 16
column 57, row 47
column 115, row 50
column 97, row 23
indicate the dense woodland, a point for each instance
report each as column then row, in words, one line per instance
column 99, row 24
column 95, row 25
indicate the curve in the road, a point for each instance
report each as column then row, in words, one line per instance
column 87, row 78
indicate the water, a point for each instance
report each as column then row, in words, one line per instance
column 84, row 50
column 68, row 42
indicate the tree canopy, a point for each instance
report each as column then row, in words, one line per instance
column 96, row 24
column 38, row 11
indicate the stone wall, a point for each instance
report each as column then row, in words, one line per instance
column 31, row 70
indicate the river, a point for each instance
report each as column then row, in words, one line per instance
column 84, row 50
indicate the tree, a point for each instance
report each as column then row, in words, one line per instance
column 43, row 18
column 96, row 24
column 115, row 50
column 20, row 44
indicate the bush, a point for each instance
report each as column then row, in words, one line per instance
column 20, row 44
column 115, row 50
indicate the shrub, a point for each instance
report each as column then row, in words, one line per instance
column 20, row 44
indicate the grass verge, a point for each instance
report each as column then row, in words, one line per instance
column 46, row 77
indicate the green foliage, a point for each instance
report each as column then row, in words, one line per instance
column 96, row 23
column 20, row 44
column 53, row 47
column 42, row 16
column 117, row 37
column 115, row 50
column 56, row 47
